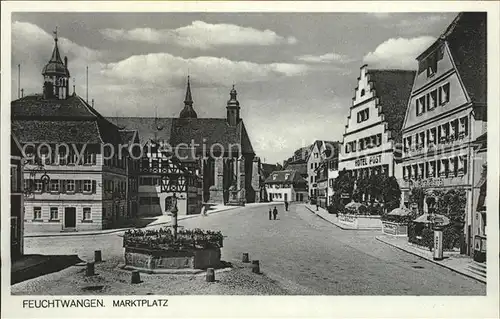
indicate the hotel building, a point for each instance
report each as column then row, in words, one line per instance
column 373, row 130
column 447, row 112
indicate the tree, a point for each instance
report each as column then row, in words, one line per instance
column 391, row 193
column 417, row 196
column 374, row 187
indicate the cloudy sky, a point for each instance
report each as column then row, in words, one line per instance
column 295, row 73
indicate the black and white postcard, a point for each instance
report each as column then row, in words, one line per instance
column 250, row 159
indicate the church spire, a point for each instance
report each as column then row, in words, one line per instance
column 233, row 108
column 56, row 74
column 188, row 111
column 189, row 99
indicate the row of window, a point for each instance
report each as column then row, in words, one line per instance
column 363, row 115
column 445, row 167
column 61, row 186
column 110, row 185
column 366, row 172
column 61, row 159
column 429, row 101
column 54, row 213
column 364, row 143
column 444, row 133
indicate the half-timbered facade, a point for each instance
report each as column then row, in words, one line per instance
column 162, row 176
column 216, row 149
column 447, row 112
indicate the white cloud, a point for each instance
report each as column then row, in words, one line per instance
column 201, row 35
column 32, row 48
column 168, row 69
column 398, row 53
column 325, row 58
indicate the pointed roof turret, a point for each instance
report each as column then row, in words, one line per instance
column 55, row 65
column 188, row 111
column 233, row 101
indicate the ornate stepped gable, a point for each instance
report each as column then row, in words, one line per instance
column 392, row 89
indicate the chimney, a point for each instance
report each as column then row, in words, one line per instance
column 66, row 61
column 92, row 103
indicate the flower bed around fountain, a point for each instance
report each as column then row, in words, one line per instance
column 157, row 249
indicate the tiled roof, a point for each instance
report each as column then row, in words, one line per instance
column 35, row 106
column 39, row 131
column 147, row 127
column 71, row 120
column 201, row 131
column 301, row 168
column 281, row 177
column 466, row 37
column 267, row 169
column 393, row 89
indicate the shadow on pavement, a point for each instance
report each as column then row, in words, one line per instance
column 32, row 266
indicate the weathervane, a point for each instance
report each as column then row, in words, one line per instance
column 55, row 34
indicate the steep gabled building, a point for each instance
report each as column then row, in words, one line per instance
column 447, row 112
column 372, row 138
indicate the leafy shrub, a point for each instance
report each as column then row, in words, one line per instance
column 163, row 239
column 427, row 238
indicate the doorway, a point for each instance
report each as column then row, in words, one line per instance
column 70, row 217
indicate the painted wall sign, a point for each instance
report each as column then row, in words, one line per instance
column 428, row 182
column 372, row 160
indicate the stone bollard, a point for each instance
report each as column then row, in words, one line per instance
column 245, row 258
column 210, row 275
column 90, row 271
column 255, row 266
column 97, row 256
column 136, row 277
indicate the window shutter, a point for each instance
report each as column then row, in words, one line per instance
column 63, row 186
column 94, row 158
column 78, row 184
column 93, row 187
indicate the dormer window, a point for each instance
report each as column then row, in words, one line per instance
column 286, row 176
column 274, row 177
column 431, row 65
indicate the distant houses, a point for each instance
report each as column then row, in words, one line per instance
column 286, row 186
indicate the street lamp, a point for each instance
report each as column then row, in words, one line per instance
column 174, row 215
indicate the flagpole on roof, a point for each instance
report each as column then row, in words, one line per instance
column 19, row 80
column 87, row 84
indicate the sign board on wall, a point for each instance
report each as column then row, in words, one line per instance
column 365, row 161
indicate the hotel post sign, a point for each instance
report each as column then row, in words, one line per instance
column 365, row 161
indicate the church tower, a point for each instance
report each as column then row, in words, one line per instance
column 56, row 75
column 233, row 109
column 188, row 111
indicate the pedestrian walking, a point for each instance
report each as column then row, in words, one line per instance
column 270, row 213
column 286, row 206
column 275, row 212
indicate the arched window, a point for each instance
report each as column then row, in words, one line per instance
column 363, row 92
